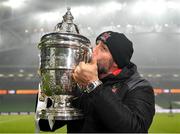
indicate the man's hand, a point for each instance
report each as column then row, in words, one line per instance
column 85, row 73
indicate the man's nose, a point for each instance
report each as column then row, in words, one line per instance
column 95, row 49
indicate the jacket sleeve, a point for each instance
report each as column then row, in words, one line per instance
column 132, row 114
column 44, row 125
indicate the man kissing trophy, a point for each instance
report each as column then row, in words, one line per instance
column 60, row 52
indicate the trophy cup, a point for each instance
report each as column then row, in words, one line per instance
column 60, row 52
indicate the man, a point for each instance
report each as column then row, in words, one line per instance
column 116, row 98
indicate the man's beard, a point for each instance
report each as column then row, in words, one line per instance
column 104, row 69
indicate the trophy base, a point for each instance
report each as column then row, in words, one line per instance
column 61, row 114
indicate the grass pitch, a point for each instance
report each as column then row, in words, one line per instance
column 162, row 123
column 166, row 123
column 20, row 124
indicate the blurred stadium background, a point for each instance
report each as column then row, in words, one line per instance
column 152, row 25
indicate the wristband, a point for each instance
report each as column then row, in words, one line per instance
column 91, row 86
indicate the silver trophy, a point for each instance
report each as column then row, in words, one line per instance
column 60, row 52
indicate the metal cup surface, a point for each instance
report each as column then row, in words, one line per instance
column 60, row 53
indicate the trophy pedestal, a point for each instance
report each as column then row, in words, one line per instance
column 60, row 109
column 61, row 114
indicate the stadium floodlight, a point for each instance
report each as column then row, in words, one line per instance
column 41, row 29
column 21, row 70
column 156, row 7
column 15, row 4
column 48, row 16
column 158, row 75
column 111, row 7
column 82, row 10
column 20, row 75
column 102, row 9
column 152, row 7
column 129, row 26
column 30, row 75
column 10, row 75
column 173, row 5
column 150, row 75
column 166, row 25
column 118, row 26
column 175, row 75
column 138, row 8
column 89, row 28
column 26, row 31
column 2, row 75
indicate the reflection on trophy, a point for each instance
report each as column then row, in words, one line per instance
column 60, row 52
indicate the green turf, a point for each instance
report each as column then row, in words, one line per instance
column 166, row 123
column 20, row 124
column 162, row 123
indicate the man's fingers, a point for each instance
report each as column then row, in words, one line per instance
column 93, row 61
column 81, row 64
column 84, row 72
column 78, row 79
column 77, row 75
